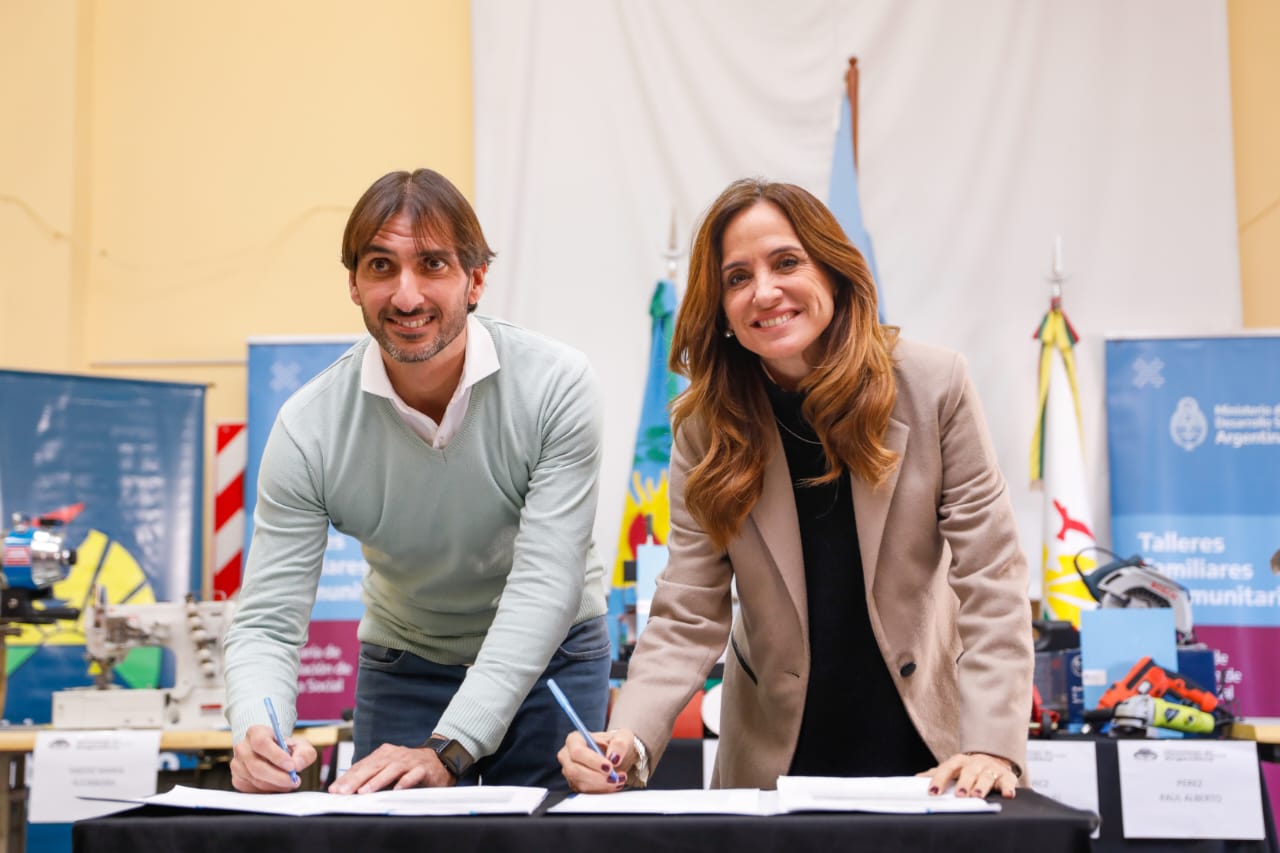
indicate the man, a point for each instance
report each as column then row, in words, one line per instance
column 462, row 453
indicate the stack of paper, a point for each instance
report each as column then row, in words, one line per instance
column 485, row 799
column 893, row 795
column 745, row 801
column 888, row 794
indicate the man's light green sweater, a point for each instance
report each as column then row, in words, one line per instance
column 479, row 552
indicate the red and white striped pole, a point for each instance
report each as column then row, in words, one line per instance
column 230, row 458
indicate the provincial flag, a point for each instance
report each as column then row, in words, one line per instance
column 646, row 514
column 843, row 196
column 1057, row 462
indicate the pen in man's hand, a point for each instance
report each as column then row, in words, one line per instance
column 563, row 700
column 275, row 727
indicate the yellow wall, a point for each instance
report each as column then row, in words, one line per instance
column 230, row 141
column 174, row 177
column 1254, row 29
column 38, row 136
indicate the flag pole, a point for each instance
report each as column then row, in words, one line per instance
column 851, row 84
column 843, row 192
column 1056, row 276
column 672, row 254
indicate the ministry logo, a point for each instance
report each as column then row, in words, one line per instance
column 1147, row 372
column 1188, row 426
column 284, row 376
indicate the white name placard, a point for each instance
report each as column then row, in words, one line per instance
column 1190, row 789
column 73, row 764
column 1066, row 770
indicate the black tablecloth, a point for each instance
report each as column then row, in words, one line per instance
column 1028, row 823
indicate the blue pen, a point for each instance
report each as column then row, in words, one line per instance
column 577, row 722
column 275, row 727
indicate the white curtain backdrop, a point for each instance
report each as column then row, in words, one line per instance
column 986, row 128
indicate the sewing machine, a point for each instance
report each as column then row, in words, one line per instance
column 192, row 630
column 36, row 558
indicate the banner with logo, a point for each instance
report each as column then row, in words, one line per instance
column 122, row 463
column 327, row 674
column 1193, row 428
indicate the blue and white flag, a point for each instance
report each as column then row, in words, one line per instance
column 843, row 196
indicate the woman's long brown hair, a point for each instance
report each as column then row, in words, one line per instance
column 849, row 394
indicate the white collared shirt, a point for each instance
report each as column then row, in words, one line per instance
column 479, row 361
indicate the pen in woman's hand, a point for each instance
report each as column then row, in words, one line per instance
column 563, row 700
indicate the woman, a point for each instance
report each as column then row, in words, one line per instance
column 844, row 477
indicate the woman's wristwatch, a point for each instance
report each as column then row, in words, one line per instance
column 640, row 770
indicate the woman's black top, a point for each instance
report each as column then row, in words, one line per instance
column 854, row 722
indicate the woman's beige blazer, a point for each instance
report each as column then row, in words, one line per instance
column 946, row 582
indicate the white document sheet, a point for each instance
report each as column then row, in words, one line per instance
column 887, row 794
column 1067, row 771
column 484, row 799
column 893, row 795
column 741, row 801
column 111, row 765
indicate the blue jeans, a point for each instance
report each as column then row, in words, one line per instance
column 400, row 698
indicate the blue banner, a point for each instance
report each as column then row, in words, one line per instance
column 1193, row 428
column 277, row 368
column 131, row 453
column 328, row 662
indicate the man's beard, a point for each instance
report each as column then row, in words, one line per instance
column 447, row 335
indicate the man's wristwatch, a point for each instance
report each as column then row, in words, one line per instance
column 453, row 755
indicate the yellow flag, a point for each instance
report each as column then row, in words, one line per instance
column 1057, row 459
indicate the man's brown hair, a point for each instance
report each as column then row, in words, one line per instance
column 434, row 206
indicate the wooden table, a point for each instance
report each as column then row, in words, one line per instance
column 213, row 745
column 1264, row 730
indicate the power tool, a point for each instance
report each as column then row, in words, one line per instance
column 1151, row 696
column 1132, row 582
column 1147, row 678
column 1132, row 717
